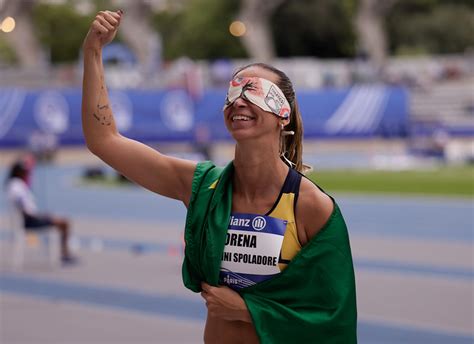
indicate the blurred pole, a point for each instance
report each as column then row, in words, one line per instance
column 258, row 40
column 139, row 35
column 22, row 39
column 372, row 38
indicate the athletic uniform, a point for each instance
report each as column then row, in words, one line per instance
column 259, row 247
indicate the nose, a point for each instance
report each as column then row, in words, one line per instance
column 240, row 102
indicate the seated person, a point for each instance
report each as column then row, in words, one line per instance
column 20, row 195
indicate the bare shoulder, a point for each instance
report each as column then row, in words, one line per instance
column 313, row 210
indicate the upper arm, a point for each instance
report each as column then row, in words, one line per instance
column 313, row 210
column 165, row 175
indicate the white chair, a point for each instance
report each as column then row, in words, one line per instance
column 45, row 241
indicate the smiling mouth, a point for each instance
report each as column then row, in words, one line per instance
column 244, row 118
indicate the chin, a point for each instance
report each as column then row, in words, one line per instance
column 242, row 134
column 250, row 135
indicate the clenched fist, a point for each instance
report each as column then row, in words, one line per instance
column 103, row 29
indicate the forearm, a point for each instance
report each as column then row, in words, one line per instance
column 167, row 176
column 97, row 118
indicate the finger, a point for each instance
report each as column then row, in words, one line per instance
column 97, row 27
column 108, row 16
column 207, row 287
column 117, row 14
column 104, row 22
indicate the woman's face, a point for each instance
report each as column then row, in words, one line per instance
column 245, row 120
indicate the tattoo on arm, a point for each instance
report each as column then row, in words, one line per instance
column 104, row 118
column 102, row 113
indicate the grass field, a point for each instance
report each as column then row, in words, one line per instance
column 444, row 181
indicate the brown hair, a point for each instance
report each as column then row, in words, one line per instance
column 291, row 145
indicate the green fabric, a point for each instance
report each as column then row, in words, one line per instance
column 206, row 225
column 312, row 301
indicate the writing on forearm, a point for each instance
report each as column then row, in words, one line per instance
column 97, row 117
column 102, row 113
column 103, row 119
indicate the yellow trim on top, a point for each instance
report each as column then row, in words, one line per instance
column 213, row 185
column 285, row 210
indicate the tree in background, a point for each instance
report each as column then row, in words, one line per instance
column 431, row 26
column 200, row 30
column 320, row 28
column 323, row 28
column 28, row 50
column 60, row 29
column 137, row 30
column 256, row 15
column 371, row 32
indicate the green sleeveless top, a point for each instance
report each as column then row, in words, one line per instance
column 313, row 300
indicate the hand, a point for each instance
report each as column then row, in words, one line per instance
column 103, row 29
column 224, row 303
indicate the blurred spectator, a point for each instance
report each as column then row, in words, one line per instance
column 452, row 71
column 429, row 139
column 21, row 197
column 439, row 142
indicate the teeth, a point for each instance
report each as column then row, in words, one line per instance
column 241, row 118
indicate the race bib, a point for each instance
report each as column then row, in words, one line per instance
column 252, row 249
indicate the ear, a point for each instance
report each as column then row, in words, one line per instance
column 284, row 122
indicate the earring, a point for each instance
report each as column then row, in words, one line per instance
column 286, row 132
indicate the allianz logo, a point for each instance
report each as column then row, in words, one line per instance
column 258, row 223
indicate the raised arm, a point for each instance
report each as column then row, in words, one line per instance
column 140, row 163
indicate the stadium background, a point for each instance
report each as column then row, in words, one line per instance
column 386, row 91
